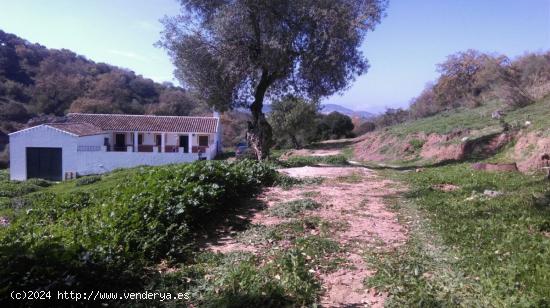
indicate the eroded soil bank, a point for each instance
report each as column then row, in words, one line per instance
column 521, row 147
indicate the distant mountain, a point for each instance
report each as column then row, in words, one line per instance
column 328, row 108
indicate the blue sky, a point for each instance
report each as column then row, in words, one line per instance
column 403, row 50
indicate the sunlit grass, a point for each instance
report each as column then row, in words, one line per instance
column 497, row 243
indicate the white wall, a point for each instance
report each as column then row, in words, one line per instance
column 100, row 162
column 92, row 140
column 42, row 137
column 92, row 162
column 149, row 139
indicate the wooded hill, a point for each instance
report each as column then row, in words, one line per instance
column 471, row 79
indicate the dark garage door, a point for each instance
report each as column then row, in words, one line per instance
column 44, row 163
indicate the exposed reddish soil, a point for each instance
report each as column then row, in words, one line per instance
column 527, row 151
column 367, row 224
column 326, row 172
column 379, row 146
column 440, row 147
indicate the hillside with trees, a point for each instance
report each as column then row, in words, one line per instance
column 471, row 79
column 482, row 106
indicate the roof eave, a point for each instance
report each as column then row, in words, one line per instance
column 44, row 125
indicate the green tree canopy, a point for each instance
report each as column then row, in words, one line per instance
column 293, row 120
column 239, row 52
column 334, row 126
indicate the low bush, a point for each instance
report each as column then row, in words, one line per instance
column 4, row 175
column 310, row 194
column 87, row 180
column 16, row 189
column 5, row 203
column 353, row 177
column 39, row 182
column 316, row 250
column 11, row 189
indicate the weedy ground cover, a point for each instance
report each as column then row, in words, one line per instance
column 496, row 247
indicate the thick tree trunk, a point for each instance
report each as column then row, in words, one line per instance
column 259, row 135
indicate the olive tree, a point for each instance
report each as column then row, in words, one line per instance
column 238, row 53
column 293, row 119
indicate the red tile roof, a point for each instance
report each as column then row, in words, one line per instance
column 79, row 129
column 147, row 123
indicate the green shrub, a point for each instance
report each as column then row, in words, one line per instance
column 16, row 189
column 5, row 203
column 310, row 194
column 154, row 214
column 87, row 180
column 353, row 177
column 257, row 234
column 39, row 182
column 4, row 175
column 286, row 182
column 316, row 246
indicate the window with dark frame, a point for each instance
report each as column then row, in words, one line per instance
column 140, row 139
column 203, row 141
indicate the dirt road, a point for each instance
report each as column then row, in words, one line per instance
column 356, row 200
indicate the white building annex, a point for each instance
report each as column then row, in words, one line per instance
column 97, row 143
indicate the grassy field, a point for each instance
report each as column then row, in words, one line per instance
column 468, row 248
column 477, row 119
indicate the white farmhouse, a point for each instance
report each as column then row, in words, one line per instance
column 96, row 143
